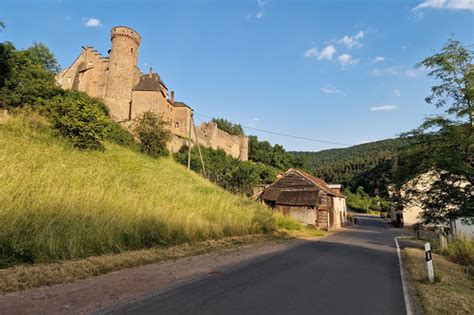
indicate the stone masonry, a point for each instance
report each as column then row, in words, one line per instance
column 128, row 92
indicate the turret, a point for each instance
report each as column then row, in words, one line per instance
column 122, row 74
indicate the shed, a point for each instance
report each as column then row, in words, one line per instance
column 306, row 198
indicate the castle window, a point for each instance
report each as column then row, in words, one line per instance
column 176, row 125
column 131, row 50
column 91, row 62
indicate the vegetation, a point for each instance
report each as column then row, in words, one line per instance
column 446, row 142
column 232, row 174
column 81, row 203
column 370, row 165
column 26, row 276
column 361, row 201
column 153, row 133
column 229, row 127
column 275, row 156
column 451, row 293
column 460, row 249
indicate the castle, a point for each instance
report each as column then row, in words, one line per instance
column 128, row 92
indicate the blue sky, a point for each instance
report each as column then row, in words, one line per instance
column 336, row 70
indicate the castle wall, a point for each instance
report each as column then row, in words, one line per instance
column 86, row 74
column 181, row 120
column 211, row 136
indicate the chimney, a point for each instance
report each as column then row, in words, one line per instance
column 150, row 73
column 172, row 97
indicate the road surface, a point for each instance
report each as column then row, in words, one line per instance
column 354, row 271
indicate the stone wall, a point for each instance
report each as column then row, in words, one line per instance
column 211, row 136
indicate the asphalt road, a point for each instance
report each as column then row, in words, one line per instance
column 351, row 272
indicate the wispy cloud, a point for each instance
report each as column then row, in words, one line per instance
column 346, row 59
column 326, row 53
column 388, row 71
column 331, row 90
column 92, row 22
column 384, row 108
column 445, row 4
column 254, row 121
column 352, row 41
column 377, row 59
column 397, row 93
column 261, row 10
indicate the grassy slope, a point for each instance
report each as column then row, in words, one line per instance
column 60, row 203
column 453, row 292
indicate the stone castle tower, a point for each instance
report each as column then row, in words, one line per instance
column 123, row 59
column 128, row 93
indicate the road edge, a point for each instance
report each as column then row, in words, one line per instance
column 406, row 296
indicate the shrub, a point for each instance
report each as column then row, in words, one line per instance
column 461, row 250
column 121, row 136
column 79, row 118
column 287, row 223
column 153, row 133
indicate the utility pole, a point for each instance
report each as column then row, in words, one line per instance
column 189, row 141
column 199, row 147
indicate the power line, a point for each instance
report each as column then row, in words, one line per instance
column 287, row 135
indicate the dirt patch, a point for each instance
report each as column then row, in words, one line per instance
column 91, row 294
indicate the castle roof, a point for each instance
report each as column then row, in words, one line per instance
column 147, row 83
column 180, row 104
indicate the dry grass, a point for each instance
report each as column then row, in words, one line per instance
column 28, row 276
column 59, row 203
column 32, row 276
column 452, row 293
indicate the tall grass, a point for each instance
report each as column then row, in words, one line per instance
column 58, row 203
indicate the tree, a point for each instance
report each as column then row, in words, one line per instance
column 153, row 133
column 229, row 127
column 79, row 118
column 447, row 141
column 26, row 76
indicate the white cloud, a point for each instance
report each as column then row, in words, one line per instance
column 397, row 93
column 346, row 59
column 331, row 90
column 389, row 71
column 384, row 108
column 327, row 52
column 312, row 52
column 261, row 12
column 352, row 41
column 413, row 73
column 260, row 15
column 254, row 121
column 92, row 22
column 446, row 4
column 261, row 3
column 377, row 59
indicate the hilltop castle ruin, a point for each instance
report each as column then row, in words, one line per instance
column 128, row 92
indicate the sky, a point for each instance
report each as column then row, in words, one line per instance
column 340, row 71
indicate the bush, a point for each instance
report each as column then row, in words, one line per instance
column 287, row 223
column 79, row 118
column 121, row 136
column 153, row 133
column 461, row 250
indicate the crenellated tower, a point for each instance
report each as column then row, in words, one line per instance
column 123, row 73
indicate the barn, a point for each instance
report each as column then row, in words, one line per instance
column 308, row 199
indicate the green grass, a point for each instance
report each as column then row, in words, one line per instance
column 60, row 203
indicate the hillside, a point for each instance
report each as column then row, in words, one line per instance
column 58, row 202
column 360, row 165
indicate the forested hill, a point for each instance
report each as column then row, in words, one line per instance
column 368, row 165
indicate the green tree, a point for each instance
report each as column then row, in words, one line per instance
column 27, row 76
column 153, row 133
column 229, row 127
column 79, row 118
column 447, row 141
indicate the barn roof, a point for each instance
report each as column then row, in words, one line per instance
column 291, row 197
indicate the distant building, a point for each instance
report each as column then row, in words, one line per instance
column 409, row 212
column 308, row 199
column 127, row 92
